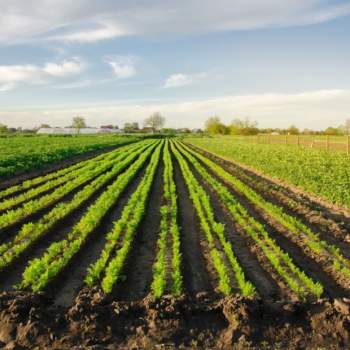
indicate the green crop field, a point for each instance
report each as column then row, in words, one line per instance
column 25, row 153
column 160, row 221
column 323, row 174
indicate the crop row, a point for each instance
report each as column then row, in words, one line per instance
column 320, row 248
column 26, row 153
column 14, row 216
column 323, row 174
column 31, row 232
column 115, row 266
column 296, row 279
column 41, row 271
column 214, row 233
column 60, row 180
column 128, row 222
column 167, row 266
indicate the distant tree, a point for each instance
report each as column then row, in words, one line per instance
column 3, row 128
column 332, row 131
column 135, row 126
column 307, row 132
column 78, row 124
column 155, row 121
column 293, row 130
column 45, row 126
column 213, row 125
column 244, row 127
column 131, row 127
column 169, row 131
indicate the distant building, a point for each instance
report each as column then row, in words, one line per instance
column 72, row 131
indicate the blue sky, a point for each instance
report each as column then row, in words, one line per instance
column 277, row 62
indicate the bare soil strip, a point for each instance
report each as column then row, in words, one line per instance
column 138, row 269
column 195, row 273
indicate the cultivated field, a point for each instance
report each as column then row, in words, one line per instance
column 160, row 243
column 23, row 153
column 323, row 174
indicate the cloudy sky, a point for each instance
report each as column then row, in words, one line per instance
column 278, row 62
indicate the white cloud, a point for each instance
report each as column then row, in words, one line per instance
column 306, row 110
column 180, row 79
column 12, row 75
column 87, row 21
column 123, row 67
column 64, row 68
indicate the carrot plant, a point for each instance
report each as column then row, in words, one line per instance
column 280, row 260
column 211, row 227
column 15, row 215
column 169, row 232
column 131, row 217
column 319, row 247
column 41, row 271
column 30, row 232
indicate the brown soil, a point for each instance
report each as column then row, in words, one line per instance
column 206, row 322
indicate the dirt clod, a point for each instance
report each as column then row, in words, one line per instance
column 206, row 321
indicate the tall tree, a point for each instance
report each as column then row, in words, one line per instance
column 213, row 125
column 293, row 130
column 244, row 127
column 155, row 121
column 78, row 123
column 45, row 126
column 3, row 128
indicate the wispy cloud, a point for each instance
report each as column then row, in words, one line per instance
column 88, row 21
column 64, row 68
column 180, row 79
column 12, row 75
column 123, row 67
column 102, row 31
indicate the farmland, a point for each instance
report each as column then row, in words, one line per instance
column 20, row 153
column 320, row 173
column 161, row 242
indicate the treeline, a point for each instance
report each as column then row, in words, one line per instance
column 247, row 127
